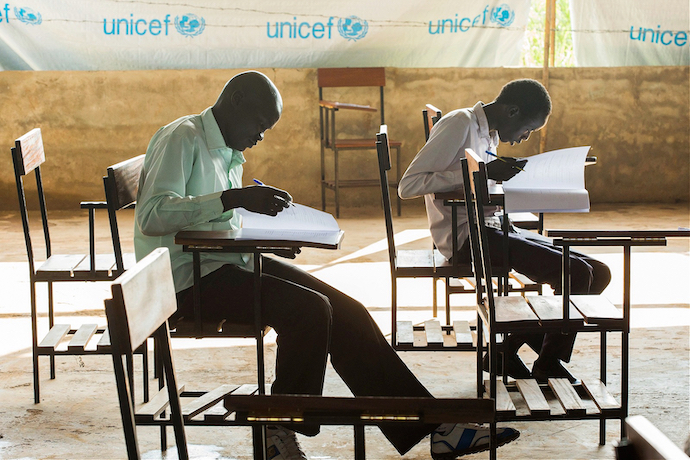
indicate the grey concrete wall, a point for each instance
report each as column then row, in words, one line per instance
column 636, row 119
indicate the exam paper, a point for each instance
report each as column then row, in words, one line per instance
column 551, row 182
column 295, row 223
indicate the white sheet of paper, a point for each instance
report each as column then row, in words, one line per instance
column 295, row 223
column 295, row 217
column 551, row 182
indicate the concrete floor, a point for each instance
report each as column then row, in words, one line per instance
column 79, row 418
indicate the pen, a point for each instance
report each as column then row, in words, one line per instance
column 500, row 158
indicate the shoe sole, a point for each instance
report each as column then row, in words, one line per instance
column 474, row 450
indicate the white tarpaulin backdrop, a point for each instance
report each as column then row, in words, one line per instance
column 170, row 34
column 631, row 32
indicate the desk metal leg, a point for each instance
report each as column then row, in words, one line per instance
column 602, row 377
column 260, row 431
column 360, row 451
column 503, row 285
column 196, row 290
column 625, row 350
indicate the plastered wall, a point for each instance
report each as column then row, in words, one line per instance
column 636, row 120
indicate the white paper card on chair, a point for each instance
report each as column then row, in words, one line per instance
column 551, row 182
column 295, row 223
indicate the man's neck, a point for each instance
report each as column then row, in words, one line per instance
column 490, row 110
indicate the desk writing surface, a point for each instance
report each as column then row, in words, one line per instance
column 232, row 239
column 618, row 233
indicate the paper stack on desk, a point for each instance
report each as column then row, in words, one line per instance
column 295, row 223
column 551, row 182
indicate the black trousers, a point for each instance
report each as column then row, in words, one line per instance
column 536, row 257
column 312, row 320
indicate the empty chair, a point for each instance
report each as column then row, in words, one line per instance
column 332, row 140
column 28, row 155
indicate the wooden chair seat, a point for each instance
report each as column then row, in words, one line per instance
column 528, row 400
column 346, row 106
column 515, row 313
column 430, row 335
column 77, row 267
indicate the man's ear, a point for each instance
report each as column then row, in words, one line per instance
column 236, row 97
column 512, row 111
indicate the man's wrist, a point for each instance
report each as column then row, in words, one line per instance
column 231, row 199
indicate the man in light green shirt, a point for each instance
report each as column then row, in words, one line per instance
column 192, row 179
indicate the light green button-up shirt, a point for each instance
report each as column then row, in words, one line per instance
column 186, row 168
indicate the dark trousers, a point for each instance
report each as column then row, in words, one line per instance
column 313, row 320
column 536, row 257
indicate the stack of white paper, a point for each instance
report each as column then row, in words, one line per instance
column 295, row 223
column 551, row 182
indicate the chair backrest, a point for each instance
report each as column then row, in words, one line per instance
column 28, row 155
column 352, row 77
column 121, row 185
column 143, row 300
column 475, row 184
column 430, row 116
column 384, row 157
column 649, row 442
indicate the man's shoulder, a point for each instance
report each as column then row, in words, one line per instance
column 460, row 115
column 458, row 120
column 183, row 125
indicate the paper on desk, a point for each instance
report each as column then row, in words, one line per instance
column 551, row 182
column 294, row 223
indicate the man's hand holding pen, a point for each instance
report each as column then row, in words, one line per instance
column 262, row 199
column 504, row 168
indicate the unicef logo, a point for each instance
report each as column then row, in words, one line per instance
column 353, row 28
column 190, row 24
column 28, row 16
column 503, row 15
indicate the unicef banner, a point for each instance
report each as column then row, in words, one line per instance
column 631, row 32
column 169, row 34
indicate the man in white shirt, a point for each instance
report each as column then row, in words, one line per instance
column 192, row 179
column 522, row 106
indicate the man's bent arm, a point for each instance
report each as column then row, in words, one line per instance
column 432, row 169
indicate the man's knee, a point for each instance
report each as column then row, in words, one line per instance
column 601, row 277
column 588, row 277
column 581, row 276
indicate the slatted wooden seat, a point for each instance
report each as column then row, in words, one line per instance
column 559, row 399
column 431, row 335
column 28, row 156
column 137, row 311
column 331, row 138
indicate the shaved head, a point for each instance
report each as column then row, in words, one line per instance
column 249, row 105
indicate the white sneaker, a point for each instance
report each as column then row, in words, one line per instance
column 282, row 444
column 450, row 441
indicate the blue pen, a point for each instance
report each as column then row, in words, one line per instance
column 502, row 159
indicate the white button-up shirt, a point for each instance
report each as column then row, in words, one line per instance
column 186, row 168
column 437, row 168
